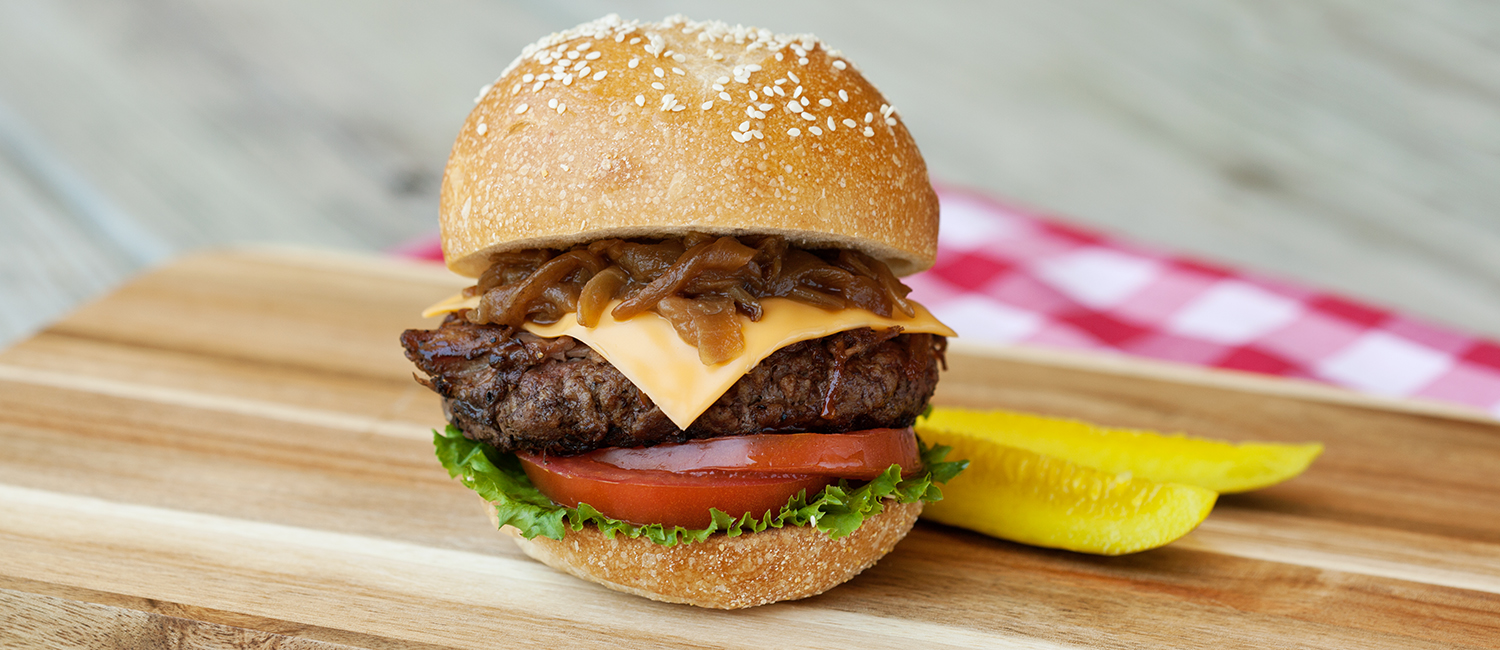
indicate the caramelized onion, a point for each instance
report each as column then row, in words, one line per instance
column 707, row 323
column 597, row 293
column 543, row 296
column 868, row 267
column 699, row 283
column 723, row 255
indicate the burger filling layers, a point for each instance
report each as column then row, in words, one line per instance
column 698, row 283
column 827, row 411
column 521, row 392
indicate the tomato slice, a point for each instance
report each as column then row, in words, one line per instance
column 676, row 484
column 668, row 498
column 860, row 455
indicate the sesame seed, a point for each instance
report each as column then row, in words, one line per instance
column 793, row 76
column 797, row 92
column 843, row 95
column 678, row 108
column 757, row 134
column 750, row 110
column 825, row 102
column 544, row 77
column 766, row 107
column 573, row 55
column 718, row 87
column 753, row 67
column 658, row 72
column 745, row 125
column 600, row 74
column 580, row 65
column 891, row 121
column 804, row 101
column 768, row 90
column 633, row 63
column 794, row 132
column 869, row 132
column 886, row 110
column 815, row 130
column 538, row 86
column 583, row 46
column 679, row 57
column 778, row 56
column 739, row 137
column 594, row 55
column 780, row 81
column 482, row 128
column 552, row 103
column 802, row 61
column 794, row 107
column 722, row 80
column 724, row 96
column 868, row 117
column 779, row 91
column 657, row 85
column 528, row 77
column 759, row 115
column 521, row 109
column 708, row 104
column 635, row 41
column 831, row 127
column 839, row 64
column 677, row 71
column 850, row 123
column 640, row 100
column 514, row 90
column 754, row 97
column 585, row 71
column 667, row 100
column 568, row 80
column 809, row 117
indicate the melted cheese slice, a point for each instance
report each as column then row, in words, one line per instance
column 650, row 354
column 452, row 303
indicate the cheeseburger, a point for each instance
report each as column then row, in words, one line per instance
column 686, row 368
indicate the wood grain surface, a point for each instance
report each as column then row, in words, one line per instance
column 1353, row 146
column 230, row 452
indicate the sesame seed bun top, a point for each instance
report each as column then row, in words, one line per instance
column 628, row 129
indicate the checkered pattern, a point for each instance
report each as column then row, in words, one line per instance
column 1007, row 276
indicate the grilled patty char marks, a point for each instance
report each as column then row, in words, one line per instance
column 521, row 392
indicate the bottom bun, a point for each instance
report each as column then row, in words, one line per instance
column 725, row 572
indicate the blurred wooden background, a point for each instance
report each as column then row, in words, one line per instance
column 1350, row 145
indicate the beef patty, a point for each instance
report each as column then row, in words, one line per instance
column 521, row 392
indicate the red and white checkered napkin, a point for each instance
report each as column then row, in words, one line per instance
column 1008, row 276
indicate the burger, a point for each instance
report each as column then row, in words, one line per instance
column 686, row 368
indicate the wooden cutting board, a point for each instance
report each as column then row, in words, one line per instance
column 231, row 452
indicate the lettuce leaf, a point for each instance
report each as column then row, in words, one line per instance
column 837, row 510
